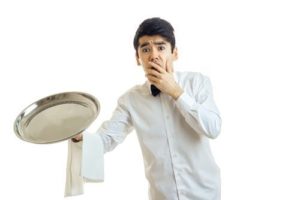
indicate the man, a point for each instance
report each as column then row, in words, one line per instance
column 173, row 114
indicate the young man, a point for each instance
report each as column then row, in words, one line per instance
column 173, row 114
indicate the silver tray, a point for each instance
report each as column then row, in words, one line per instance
column 57, row 117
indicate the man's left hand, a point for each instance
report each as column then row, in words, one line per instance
column 163, row 79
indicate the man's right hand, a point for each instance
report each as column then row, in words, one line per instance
column 77, row 138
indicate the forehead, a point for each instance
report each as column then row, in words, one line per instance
column 146, row 39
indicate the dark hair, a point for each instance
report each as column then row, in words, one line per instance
column 155, row 26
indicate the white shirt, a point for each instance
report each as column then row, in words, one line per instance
column 173, row 135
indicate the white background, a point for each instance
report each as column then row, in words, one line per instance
column 249, row 49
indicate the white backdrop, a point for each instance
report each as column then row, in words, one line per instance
column 249, row 49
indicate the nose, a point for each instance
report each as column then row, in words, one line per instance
column 154, row 56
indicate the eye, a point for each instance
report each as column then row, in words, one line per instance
column 145, row 50
column 161, row 48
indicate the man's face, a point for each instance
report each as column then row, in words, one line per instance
column 155, row 49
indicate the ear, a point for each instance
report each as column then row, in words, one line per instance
column 138, row 60
column 175, row 54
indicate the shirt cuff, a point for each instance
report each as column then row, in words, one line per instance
column 189, row 109
column 185, row 102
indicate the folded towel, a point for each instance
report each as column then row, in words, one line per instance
column 74, row 180
column 85, row 163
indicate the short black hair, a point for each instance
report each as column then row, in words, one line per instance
column 155, row 26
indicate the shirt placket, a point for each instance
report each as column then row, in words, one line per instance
column 173, row 154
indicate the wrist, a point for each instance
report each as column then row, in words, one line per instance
column 177, row 93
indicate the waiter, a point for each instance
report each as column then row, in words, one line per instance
column 174, row 116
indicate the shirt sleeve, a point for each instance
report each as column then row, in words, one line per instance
column 110, row 134
column 115, row 130
column 86, row 159
column 199, row 109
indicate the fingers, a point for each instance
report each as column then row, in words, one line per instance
column 156, row 71
column 159, row 68
column 153, row 79
column 153, row 72
column 77, row 138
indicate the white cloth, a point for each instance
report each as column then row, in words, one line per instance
column 84, row 166
column 173, row 136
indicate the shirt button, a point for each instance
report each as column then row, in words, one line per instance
column 167, row 117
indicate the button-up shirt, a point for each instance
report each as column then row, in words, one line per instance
column 173, row 135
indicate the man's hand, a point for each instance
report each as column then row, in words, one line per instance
column 162, row 78
column 77, row 138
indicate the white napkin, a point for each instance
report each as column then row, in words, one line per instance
column 74, row 180
column 85, row 163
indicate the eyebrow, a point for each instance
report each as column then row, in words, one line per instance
column 155, row 43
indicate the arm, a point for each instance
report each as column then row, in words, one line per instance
column 85, row 159
column 115, row 130
column 199, row 110
column 109, row 135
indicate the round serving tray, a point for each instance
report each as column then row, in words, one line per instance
column 57, row 117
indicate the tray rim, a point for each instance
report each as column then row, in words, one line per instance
column 33, row 106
